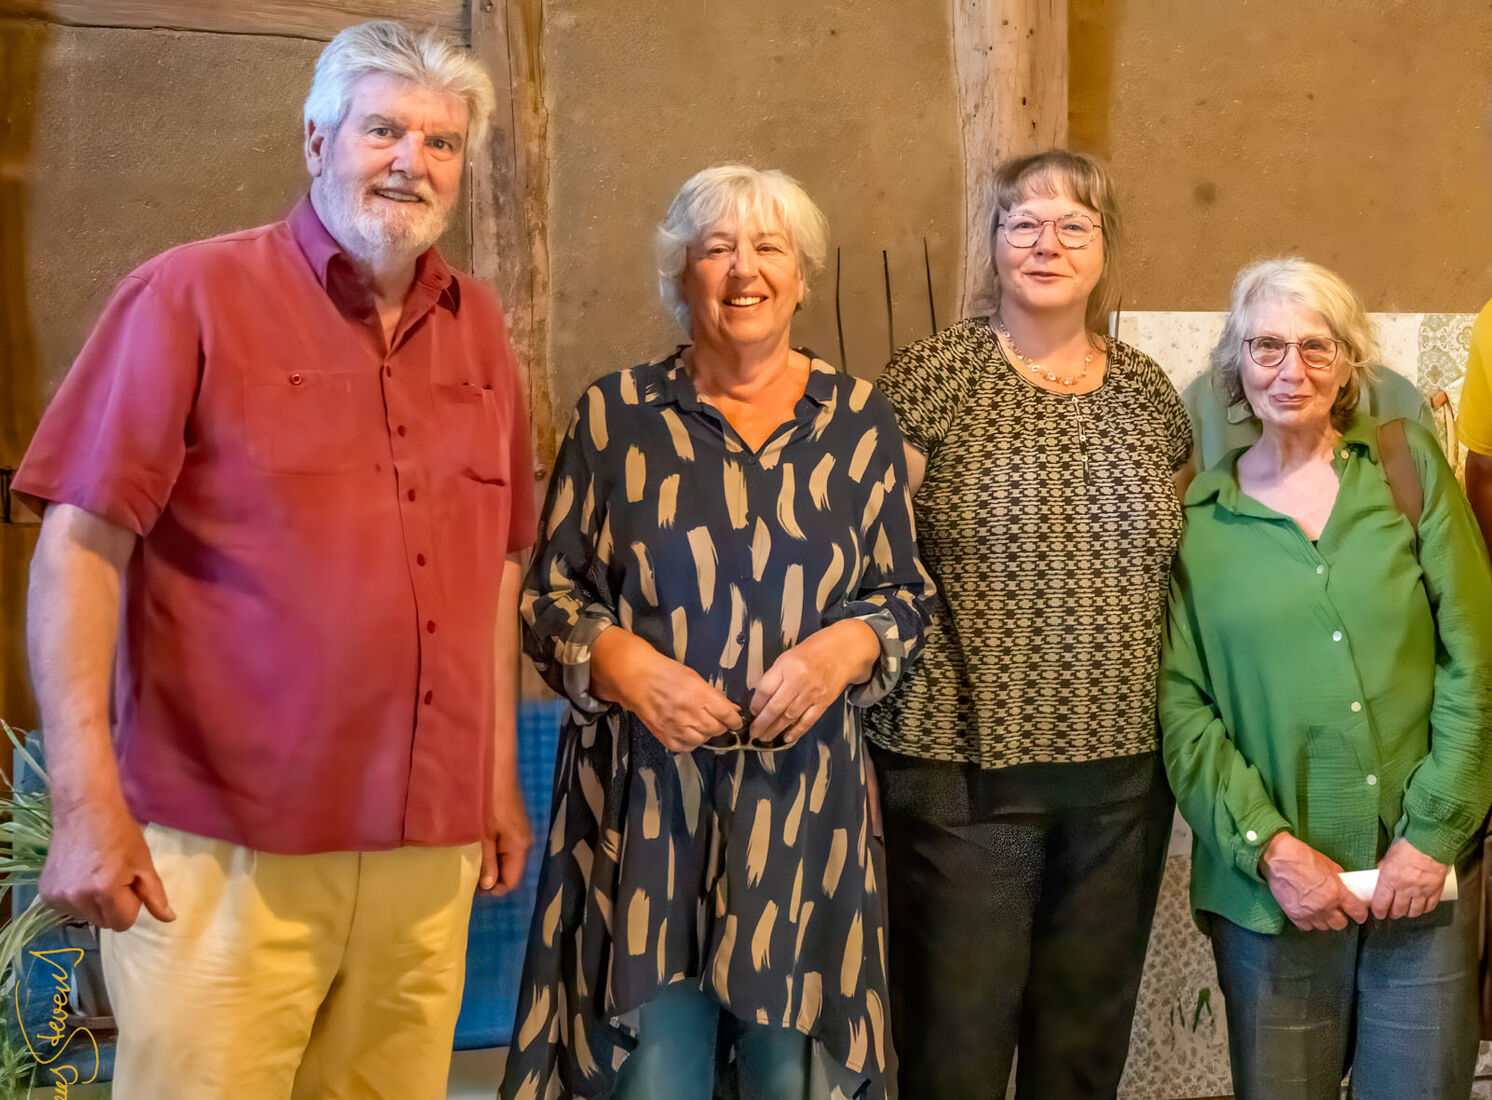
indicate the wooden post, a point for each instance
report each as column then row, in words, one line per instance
column 1011, row 59
column 509, row 181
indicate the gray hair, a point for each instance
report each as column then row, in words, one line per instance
column 425, row 58
column 726, row 193
column 1299, row 283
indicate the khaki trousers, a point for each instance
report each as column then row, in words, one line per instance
column 334, row 976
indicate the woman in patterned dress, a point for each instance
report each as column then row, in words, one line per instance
column 1027, row 813
column 726, row 575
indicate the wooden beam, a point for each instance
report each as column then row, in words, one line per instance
column 318, row 19
column 510, row 197
column 1011, row 59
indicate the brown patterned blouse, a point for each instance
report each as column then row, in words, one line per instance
column 1049, row 522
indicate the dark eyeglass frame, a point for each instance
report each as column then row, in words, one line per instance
column 1041, row 223
column 1299, row 346
column 742, row 739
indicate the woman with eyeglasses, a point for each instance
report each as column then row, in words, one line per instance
column 1026, row 811
column 726, row 576
column 1326, row 706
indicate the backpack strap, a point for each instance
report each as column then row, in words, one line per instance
column 1402, row 474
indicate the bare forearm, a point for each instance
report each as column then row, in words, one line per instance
column 72, row 626
column 1479, row 491
column 859, row 646
column 614, row 661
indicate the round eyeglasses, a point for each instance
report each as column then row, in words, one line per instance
column 1073, row 230
column 1316, row 352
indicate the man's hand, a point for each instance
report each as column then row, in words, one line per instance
column 98, row 868
column 807, row 679
column 677, row 705
column 1308, row 887
column 1409, row 882
column 506, row 850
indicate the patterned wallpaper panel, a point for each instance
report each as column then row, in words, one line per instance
column 1179, row 1048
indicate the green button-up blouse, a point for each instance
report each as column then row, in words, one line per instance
column 1328, row 688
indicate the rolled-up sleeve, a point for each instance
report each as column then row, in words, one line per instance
column 895, row 590
column 564, row 607
column 1447, row 796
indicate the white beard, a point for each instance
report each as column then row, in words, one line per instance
column 371, row 227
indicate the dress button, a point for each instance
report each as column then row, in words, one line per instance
column 1320, row 569
column 296, row 379
column 410, row 494
column 1251, row 836
column 402, row 430
column 430, row 626
column 1372, row 781
column 1336, row 635
column 1356, row 706
column 428, row 696
column 419, row 559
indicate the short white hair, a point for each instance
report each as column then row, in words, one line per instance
column 725, row 194
column 425, row 58
column 1295, row 282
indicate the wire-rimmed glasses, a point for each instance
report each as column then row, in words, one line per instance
column 1316, row 352
column 1075, row 230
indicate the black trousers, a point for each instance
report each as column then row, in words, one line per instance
column 1020, row 908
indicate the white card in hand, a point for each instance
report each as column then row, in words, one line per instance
column 1363, row 883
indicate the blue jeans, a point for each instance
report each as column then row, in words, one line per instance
column 677, row 1034
column 1395, row 1001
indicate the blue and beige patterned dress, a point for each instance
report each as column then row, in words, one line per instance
column 745, row 873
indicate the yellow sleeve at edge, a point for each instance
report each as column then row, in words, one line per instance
column 1474, row 420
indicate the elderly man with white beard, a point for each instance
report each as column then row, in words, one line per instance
column 272, row 616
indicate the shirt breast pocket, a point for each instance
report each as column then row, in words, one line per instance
column 472, row 422
column 310, row 422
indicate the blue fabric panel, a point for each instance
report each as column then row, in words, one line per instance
column 499, row 926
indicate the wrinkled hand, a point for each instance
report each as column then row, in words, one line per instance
column 1307, row 886
column 677, row 704
column 98, row 867
column 806, row 680
column 506, row 848
column 1409, row 882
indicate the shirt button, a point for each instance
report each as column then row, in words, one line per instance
column 388, row 372
column 430, row 626
column 1251, row 836
column 296, row 379
column 428, row 696
column 1356, row 706
column 402, row 430
column 1372, row 781
column 1320, row 569
column 1343, row 452
column 419, row 559
column 1336, row 635
column 410, row 494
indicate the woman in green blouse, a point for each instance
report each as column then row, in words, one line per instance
column 1324, row 703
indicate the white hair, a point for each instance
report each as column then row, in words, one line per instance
column 725, row 194
column 1295, row 282
column 425, row 58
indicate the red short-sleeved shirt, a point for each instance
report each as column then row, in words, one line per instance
column 306, row 660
